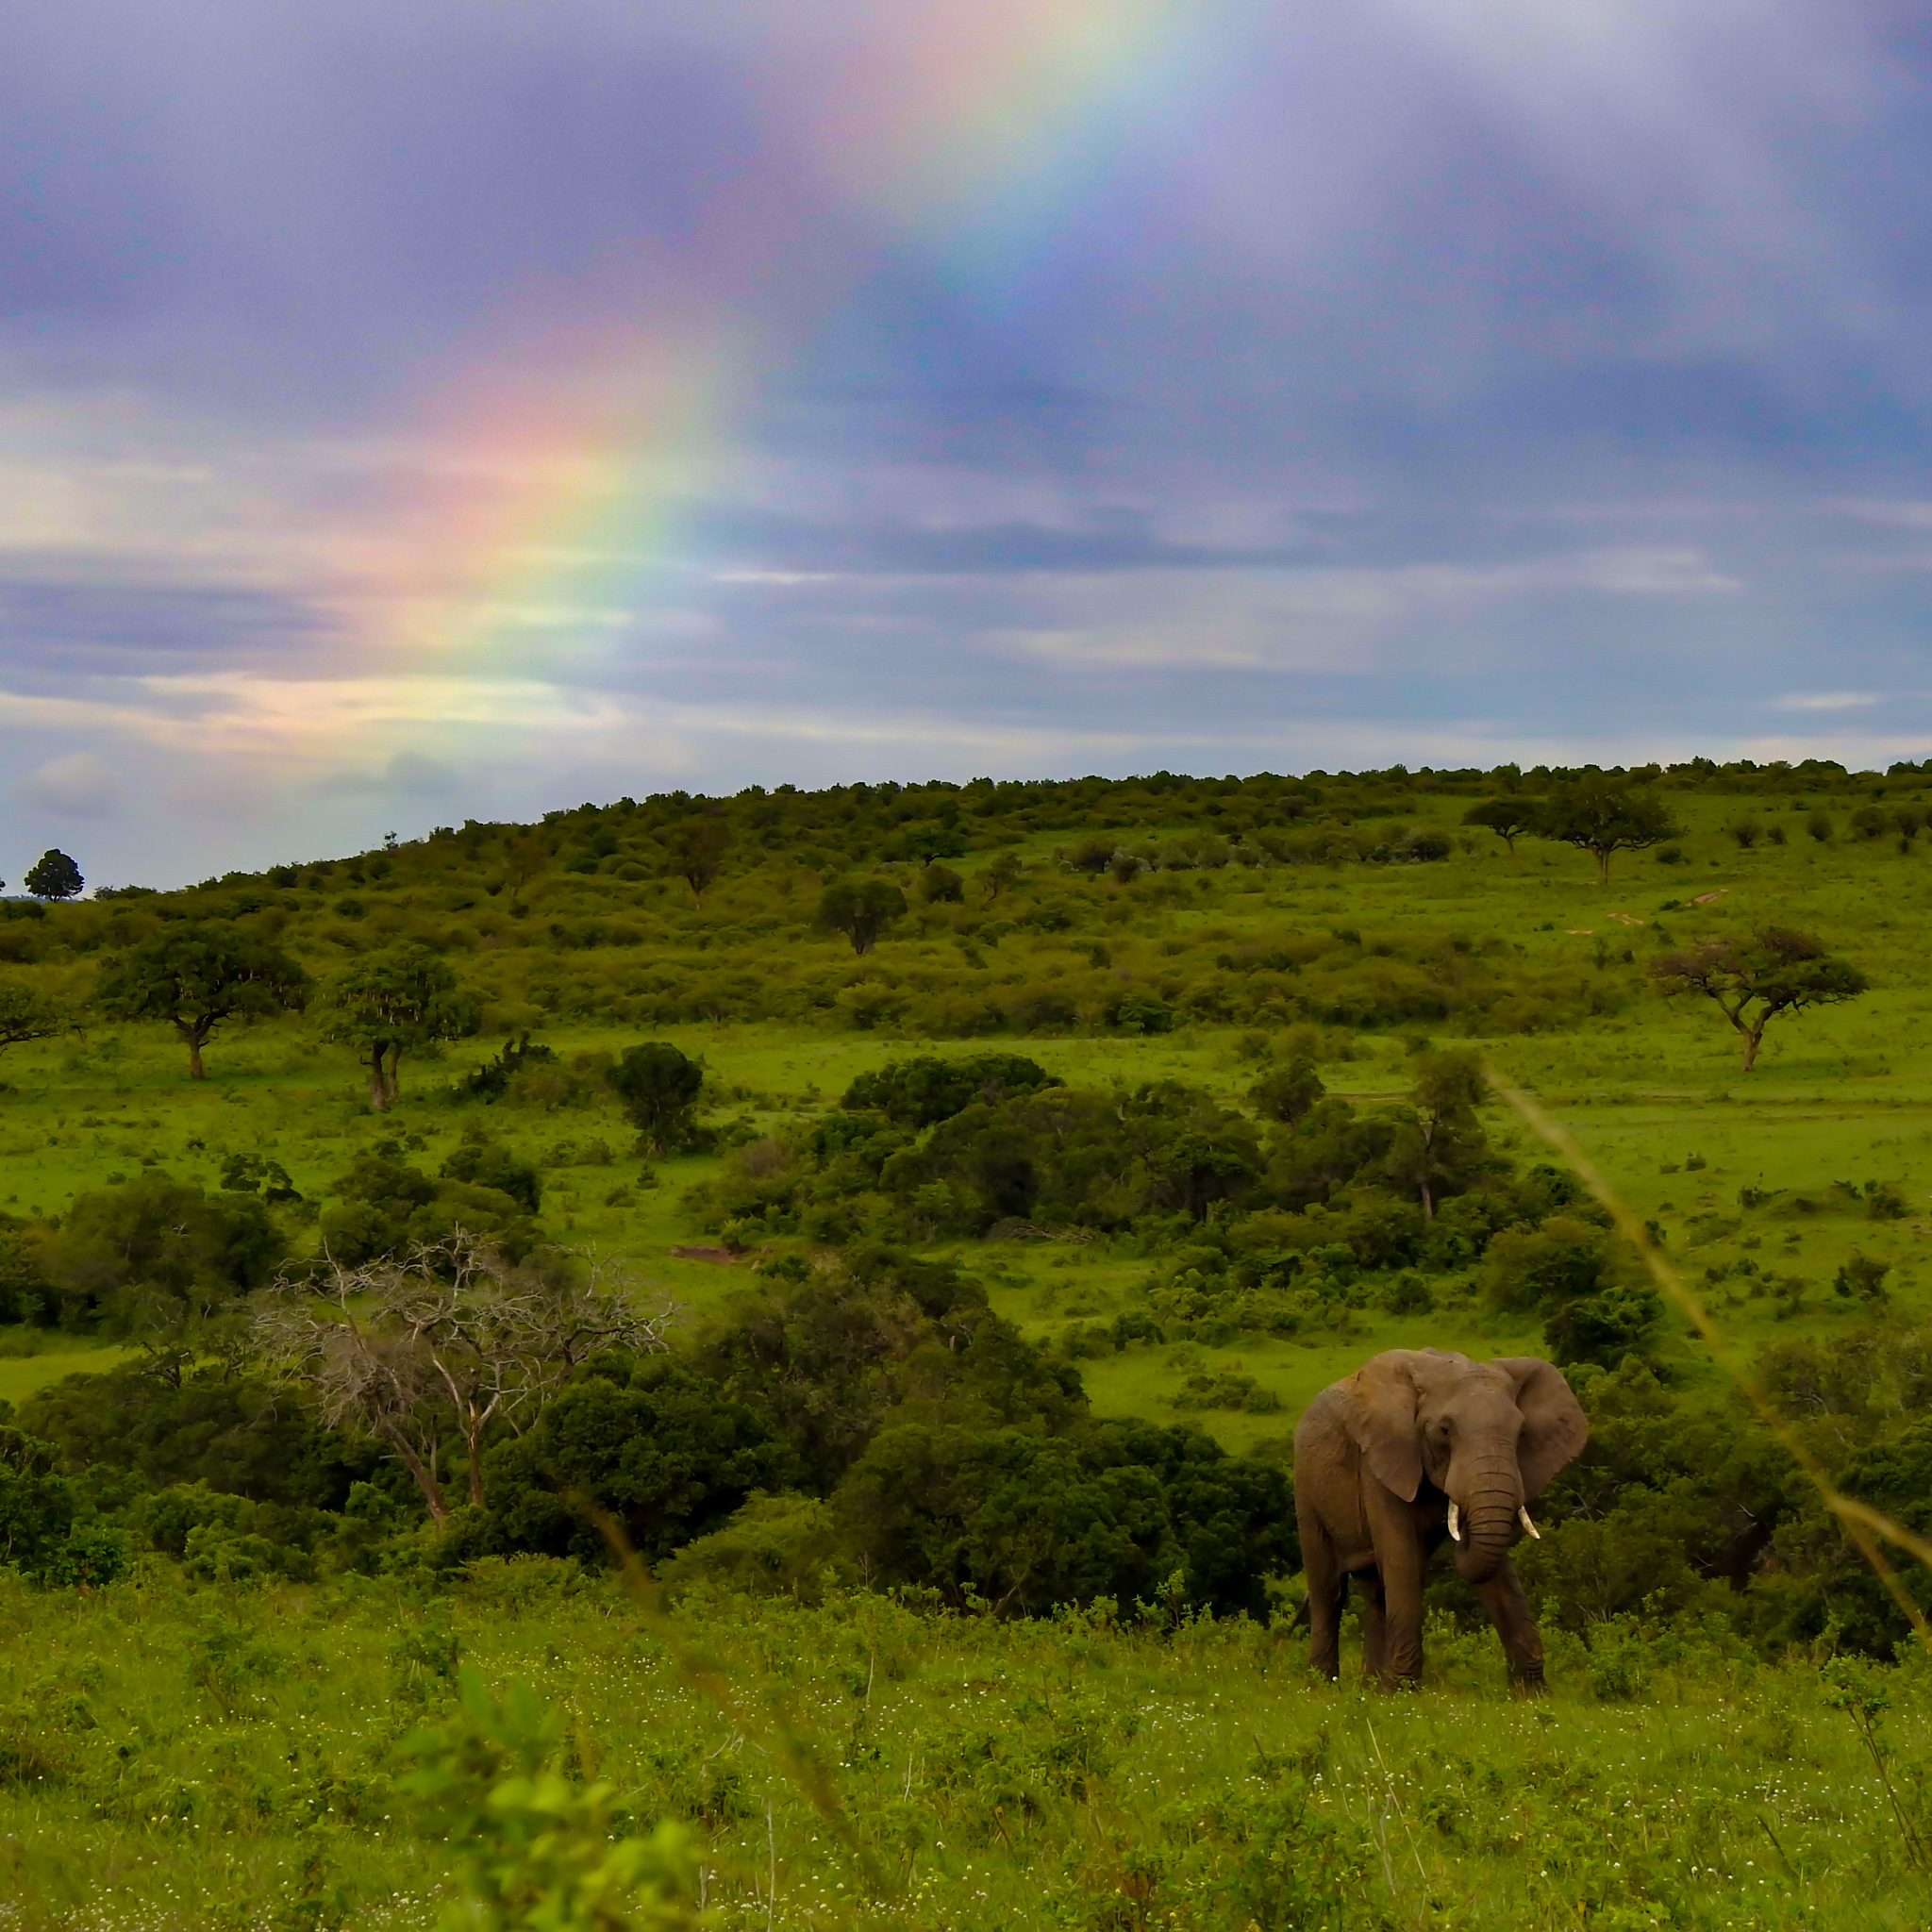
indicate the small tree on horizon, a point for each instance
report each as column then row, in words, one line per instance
column 53, row 875
column 198, row 974
column 1752, row 980
column 1603, row 816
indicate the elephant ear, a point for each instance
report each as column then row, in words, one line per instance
column 1381, row 1422
column 1555, row 1427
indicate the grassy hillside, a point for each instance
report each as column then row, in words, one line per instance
column 224, row 1759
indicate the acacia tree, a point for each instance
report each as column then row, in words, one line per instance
column 1604, row 816
column 697, row 850
column 1003, row 872
column 196, row 975
column 1753, row 980
column 1444, row 1141
column 452, row 1336
column 1508, row 818
column 862, row 910
column 26, row 1015
column 385, row 1002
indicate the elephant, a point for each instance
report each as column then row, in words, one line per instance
column 1416, row 1446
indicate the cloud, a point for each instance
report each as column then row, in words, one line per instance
column 1322, row 619
column 1825, row 699
column 420, row 777
column 76, row 787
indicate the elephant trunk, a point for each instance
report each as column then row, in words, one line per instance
column 1488, row 1501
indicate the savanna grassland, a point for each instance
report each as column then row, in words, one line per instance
column 965, row 1466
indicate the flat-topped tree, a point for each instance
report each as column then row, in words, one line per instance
column 26, row 1015
column 1603, row 816
column 198, row 976
column 1508, row 818
column 404, row 998
column 1753, row 980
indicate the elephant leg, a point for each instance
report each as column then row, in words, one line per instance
column 1375, row 1624
column 1325, row 1582
column 1404, row 1648
column 1400, row 1562
column 1508, row 1609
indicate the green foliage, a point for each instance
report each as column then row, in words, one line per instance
column 404, row 998
column 862, row 909
column 654, row 1445
column 537, row 1849
column 1617, row 1321
column 659, row 1087
column 1025, row 1522
column 198, row 974
column 1752, row 980
column 879, row 1339
column 169, row 1421
column 696, row 852
column 491, row 1080
column 156, row 1255
column 482, row 1161
column 53, row 875
column 46, row 1534
column 920, row 1092
column 383, row 1207
column 1286, row 1094
column 1603, row 815
column 1508, row 818
column 26, row 1014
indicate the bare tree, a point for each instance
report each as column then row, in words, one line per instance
column 454, row 1337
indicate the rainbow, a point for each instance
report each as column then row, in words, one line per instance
column 540, row 491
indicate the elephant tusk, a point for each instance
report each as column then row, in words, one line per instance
column 1523, row 1517
column 1455, row 1522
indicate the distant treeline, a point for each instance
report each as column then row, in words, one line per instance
column 957, row 911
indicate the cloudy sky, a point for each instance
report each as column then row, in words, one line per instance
column 417, row 413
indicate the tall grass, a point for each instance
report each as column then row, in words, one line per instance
column 172, row 1757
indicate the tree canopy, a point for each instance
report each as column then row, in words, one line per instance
column 659, row 1087
column 1754, row 979
column 862, row 909
column 405, row 997
column 697, row 850
column 197, row 974
column 26, row 1014
column 1508, row 818
column 53, row 875
column 1604, row 816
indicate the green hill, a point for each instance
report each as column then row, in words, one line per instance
column 1155, row 1259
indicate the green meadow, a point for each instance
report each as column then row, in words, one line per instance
column 1739, row 1730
